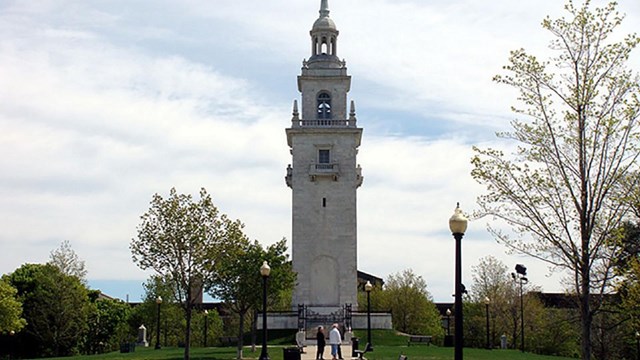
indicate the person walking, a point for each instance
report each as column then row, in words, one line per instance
column 334, row 340
column 321, row 343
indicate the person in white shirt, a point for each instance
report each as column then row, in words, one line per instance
column 334, row 340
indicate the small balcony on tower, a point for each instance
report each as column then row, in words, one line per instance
column 331, row 170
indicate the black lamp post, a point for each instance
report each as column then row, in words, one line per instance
column 265, row 270
column 521, row 276
column 206, row 326
column 458, row 225
column 368, row 287
column 487, row 301
column 158, row 303
column 638, row 344
column 11, row 334
column 448, row 322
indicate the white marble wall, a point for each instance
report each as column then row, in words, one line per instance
column 324, row 246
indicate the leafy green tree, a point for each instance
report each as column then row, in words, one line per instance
column 238, row 277
column 411, row 305
column 181, row 240
column 214, row 328
column 10, row 309
column 556, row 332
column 626, row 245
column 107, row 324
column 65, row 259
column 172, row 319
column 55, row 308
column 577, row 141
column 615, row 330
column 492, row 280
column 630, row 292
column 377, row 297
column 611, row 333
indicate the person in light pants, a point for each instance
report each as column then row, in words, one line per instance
column 335, row 339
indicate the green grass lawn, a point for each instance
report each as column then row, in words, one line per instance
column 424, row 352
column 169, row 353
column 275, row 353
column 388, row 345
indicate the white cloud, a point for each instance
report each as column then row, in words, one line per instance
column 103, row 105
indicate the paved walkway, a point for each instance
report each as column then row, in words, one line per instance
column 310, row 352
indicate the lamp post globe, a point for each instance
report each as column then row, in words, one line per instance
column 158, row 303
column 458, row 225
column 368, row 287
column 265, row 270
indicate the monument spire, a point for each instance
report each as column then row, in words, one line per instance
column 324, row 8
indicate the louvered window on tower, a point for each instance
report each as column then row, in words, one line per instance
column 324, row 106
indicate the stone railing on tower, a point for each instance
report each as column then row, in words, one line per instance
column 295, row 122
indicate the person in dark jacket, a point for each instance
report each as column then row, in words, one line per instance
column 321, row 343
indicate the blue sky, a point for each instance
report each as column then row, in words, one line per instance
column 104, row 103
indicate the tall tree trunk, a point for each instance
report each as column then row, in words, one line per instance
column 585, row 235
column 585, row 314
column 254, row 327
column 241, row 332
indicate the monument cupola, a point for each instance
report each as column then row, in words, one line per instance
column 324, row 82
column 324, row 36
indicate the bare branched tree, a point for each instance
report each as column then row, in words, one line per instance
column 578, row 138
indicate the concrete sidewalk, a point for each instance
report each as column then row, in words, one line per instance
column 310, row 352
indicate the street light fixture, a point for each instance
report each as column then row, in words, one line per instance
column 368, row 287
column 487, row 301
column 12, row 333
column 521, row 276
column 448, row 312
column 206, row 326
column 638, row 344
column 158, row 303
column 265, row 270
column 458, row 225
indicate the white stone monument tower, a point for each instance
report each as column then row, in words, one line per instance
column 324, row 177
